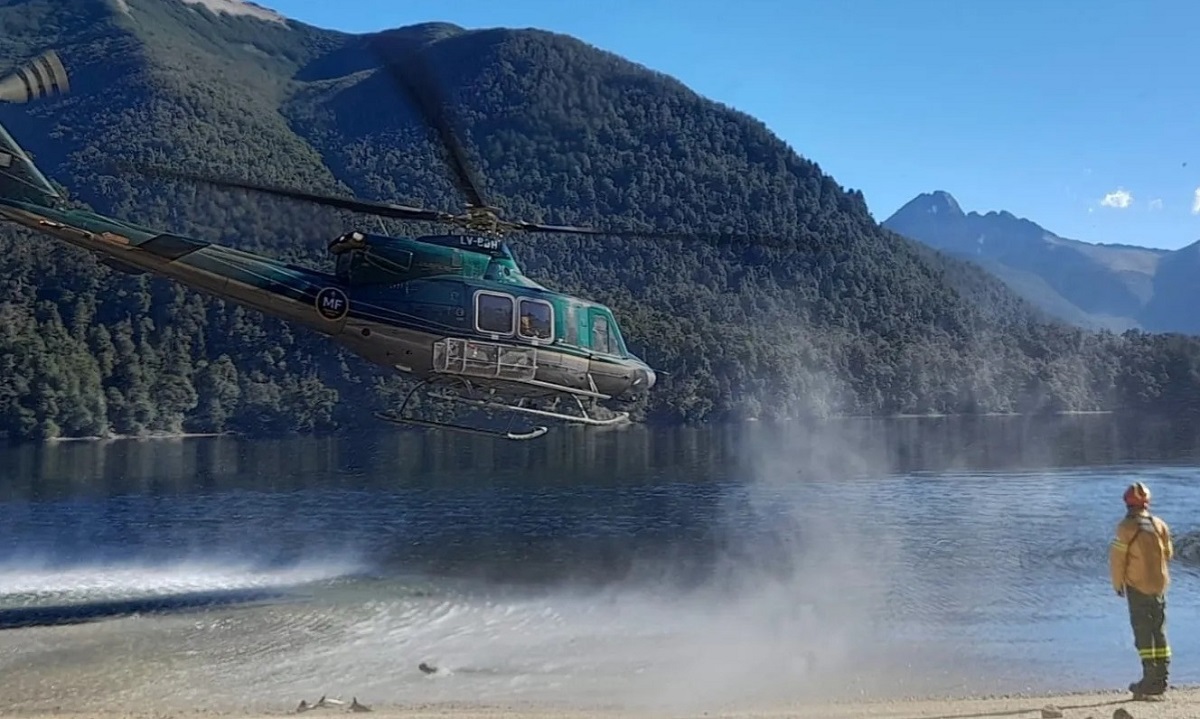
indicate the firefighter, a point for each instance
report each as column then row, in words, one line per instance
column 1137, row 559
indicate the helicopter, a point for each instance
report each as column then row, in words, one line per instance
column 453, row 312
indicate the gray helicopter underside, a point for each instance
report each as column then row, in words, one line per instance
column 496, row 378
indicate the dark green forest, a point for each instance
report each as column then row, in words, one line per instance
column 830, row 314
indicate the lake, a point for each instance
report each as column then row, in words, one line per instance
column 648, row 567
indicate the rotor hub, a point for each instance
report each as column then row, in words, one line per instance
column 484, row 220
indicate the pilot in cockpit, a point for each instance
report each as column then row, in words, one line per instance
column 534, row 328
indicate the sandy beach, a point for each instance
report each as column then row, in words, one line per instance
column 1181, row 703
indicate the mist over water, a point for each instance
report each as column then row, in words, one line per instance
column 683, row 569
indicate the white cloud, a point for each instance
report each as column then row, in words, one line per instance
column 1156, row 203
column 1196, row 202
column 1118, row 198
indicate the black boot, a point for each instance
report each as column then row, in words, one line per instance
column 1154, row 679
column 1157, row 681
column 1145, row 685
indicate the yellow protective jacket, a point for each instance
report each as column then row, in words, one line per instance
column 1138, row 555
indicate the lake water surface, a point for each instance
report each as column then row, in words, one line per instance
column 681, row 567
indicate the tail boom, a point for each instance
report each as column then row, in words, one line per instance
column 28, row 198
column 286, row 291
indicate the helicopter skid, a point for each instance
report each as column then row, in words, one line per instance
column 582, row 418
column 395, row 418
column 461, row 391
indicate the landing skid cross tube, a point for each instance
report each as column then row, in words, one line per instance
column 461, row 391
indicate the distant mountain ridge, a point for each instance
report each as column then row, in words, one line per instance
column 1093, row 285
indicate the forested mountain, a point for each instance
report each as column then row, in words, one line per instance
column 835, row 315
column 1114, row 287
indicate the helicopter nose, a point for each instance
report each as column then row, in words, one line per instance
column 648, row 378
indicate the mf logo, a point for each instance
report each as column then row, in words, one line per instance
column 332, row 303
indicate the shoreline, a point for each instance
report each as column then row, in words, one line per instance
column 1180, row 703
column 152, row 436
column 834, row 418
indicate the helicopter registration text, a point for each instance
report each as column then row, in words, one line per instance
column 486, row 243
column 332, row 304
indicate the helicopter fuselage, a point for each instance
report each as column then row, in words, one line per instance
column 441, row 305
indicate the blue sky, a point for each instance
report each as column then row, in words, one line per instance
column 1042, row 108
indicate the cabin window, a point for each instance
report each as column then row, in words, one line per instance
column 494, row 313
column 537, row 320
column 601, row 340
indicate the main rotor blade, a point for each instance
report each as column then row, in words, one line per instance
column 414, row 76
column 715, row 238
column 40, row 77
column 403, row 212
column 382, row 209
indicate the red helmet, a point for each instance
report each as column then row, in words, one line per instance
column 1137, row 495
